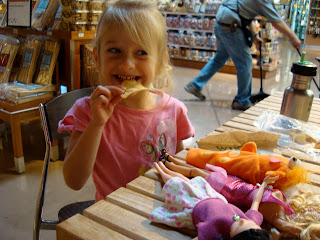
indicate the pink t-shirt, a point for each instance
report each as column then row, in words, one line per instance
column 131, row 140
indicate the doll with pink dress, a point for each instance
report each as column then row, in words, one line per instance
column 193, row 203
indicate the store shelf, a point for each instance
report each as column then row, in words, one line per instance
column 199, row 64
column 188, row 14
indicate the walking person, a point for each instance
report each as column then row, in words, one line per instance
column 231, row 19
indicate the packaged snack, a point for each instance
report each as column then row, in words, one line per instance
column 98, row 5
column 9, row 49
column 32, row 51
column 48, row 61
column 94, row 15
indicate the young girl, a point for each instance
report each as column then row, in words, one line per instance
column 117, row 139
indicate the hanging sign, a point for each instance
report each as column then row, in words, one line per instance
column 19, row 13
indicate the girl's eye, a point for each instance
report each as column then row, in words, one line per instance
column 142, row 52
column 114, row 50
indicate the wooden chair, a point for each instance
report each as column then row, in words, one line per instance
column 50, row 114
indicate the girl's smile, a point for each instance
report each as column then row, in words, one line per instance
column 122, row 78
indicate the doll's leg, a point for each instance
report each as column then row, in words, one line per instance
column 176, row 161
column 165, row 173
column 274, row 214
column 172, row 173
column 165, row 177
column 186, row 171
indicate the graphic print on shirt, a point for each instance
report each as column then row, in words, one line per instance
column 149, row 149
column 162, row 139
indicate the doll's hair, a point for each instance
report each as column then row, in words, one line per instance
column 307, row 207
column 146, row 26
column 257, row 234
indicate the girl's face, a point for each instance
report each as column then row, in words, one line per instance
column 120, row 59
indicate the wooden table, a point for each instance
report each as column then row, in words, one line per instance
column 16, row 114
column 125, row 212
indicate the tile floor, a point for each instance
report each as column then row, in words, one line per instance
column 18, row 191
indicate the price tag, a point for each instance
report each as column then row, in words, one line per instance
column 49, row 33
column 15, row 31
column 19, row 13
column 81, row 35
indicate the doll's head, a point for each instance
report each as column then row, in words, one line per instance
column 131, row 38
column 247, row 229
column 256, row 234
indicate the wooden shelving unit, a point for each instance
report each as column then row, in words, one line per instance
column 68, row 67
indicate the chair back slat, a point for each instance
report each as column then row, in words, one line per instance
column 50, row 114
column 57, row 107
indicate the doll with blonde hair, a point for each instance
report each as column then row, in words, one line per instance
column 116, row 138
column 306, row 203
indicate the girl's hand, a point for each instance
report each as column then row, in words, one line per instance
column 102, row 103
column 270, row 179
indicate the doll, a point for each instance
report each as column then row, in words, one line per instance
column 250, row 166
column 188, row 202
column 239, row 192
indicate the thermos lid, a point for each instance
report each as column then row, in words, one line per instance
column 304, row 68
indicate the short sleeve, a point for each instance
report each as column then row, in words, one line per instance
column 255, row 216
column 268, row 11
column 184, row 128
column 77, row 118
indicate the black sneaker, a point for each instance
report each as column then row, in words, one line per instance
column 190, row 89
column 237, row 106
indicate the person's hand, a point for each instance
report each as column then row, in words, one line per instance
column 270, row 179
column 295, row 41
column 257, row 41
column 102, row 103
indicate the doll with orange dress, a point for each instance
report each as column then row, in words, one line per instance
column 250, row 166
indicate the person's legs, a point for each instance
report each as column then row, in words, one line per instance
column 213, row 66
column 241, row 56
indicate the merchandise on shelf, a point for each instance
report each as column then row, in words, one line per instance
column 8, row 49
column 193, row 6
column 89, row 71
column 44, row 14
column 190, row 28
column 314, row 19
column 48, row 61
column 29, row 64
column 20, row 93
column 3, row 13
column 81, row 15
column 299, row 17
column 270, row 48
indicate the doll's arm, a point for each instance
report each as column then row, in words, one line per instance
column 257, row 197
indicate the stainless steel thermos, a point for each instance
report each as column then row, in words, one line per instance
column 297, row 98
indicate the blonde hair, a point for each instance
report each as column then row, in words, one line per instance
column 307, row 207
column 146, row 27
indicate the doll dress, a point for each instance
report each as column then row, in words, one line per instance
column 180, row 198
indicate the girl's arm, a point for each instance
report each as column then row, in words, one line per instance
column 257, row 197
column 179, row 147
column 83, row 147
